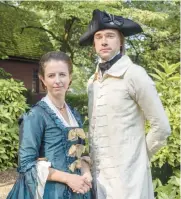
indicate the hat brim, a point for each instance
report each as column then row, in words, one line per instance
column 128, row 28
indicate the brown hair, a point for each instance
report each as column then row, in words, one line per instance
column 122, row 39
column 54, row 55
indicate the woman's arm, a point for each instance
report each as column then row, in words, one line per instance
column 31, row 133
column 77, row 183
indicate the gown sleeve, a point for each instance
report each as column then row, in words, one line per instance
column 31, row 133
column 32, row 127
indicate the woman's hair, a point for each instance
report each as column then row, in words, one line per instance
column 57, row 56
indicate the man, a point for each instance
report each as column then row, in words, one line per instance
column 121, row 97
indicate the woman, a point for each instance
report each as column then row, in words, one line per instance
column 51, row 141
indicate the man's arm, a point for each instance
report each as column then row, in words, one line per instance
column 146, row 96
column 90, row 95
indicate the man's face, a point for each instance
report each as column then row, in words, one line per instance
column 107, row 43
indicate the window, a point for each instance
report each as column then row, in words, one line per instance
column 35, row 81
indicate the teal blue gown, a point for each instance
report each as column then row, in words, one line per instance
column 42, row 134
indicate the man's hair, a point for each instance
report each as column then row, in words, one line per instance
column 122, row 38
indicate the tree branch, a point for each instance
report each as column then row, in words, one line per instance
column 43, row 29
column 7, row 4
column 137, row 53
column 65, row 45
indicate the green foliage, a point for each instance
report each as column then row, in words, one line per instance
column 160, row 21
column 79, row 102
column 169, row 191
column 168, row 85
column 4, row 74
column 17, row 41
column 12, row 105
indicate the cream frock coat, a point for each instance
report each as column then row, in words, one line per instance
column 119, row 103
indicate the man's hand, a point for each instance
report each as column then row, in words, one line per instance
column 78, row 184
column 88, row 176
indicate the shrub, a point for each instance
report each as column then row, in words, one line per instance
column 167, row 161
column 80, row 102
column 12, row 105
column 4, row 74
column 171, row 189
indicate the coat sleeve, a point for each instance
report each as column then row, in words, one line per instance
column 143, row 91
column 31, row 132
column 90, row 96
column 90, row 93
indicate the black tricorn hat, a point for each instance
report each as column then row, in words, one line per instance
column 103, row 20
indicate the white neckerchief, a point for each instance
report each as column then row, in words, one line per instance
column 72, row 120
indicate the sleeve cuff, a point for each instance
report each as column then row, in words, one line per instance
column 42, row 168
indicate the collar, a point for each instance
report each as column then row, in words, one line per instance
column 118, row 69
column 107, row 65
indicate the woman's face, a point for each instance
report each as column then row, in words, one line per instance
column 56, row 78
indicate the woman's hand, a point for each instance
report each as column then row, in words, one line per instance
column 78, row 184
